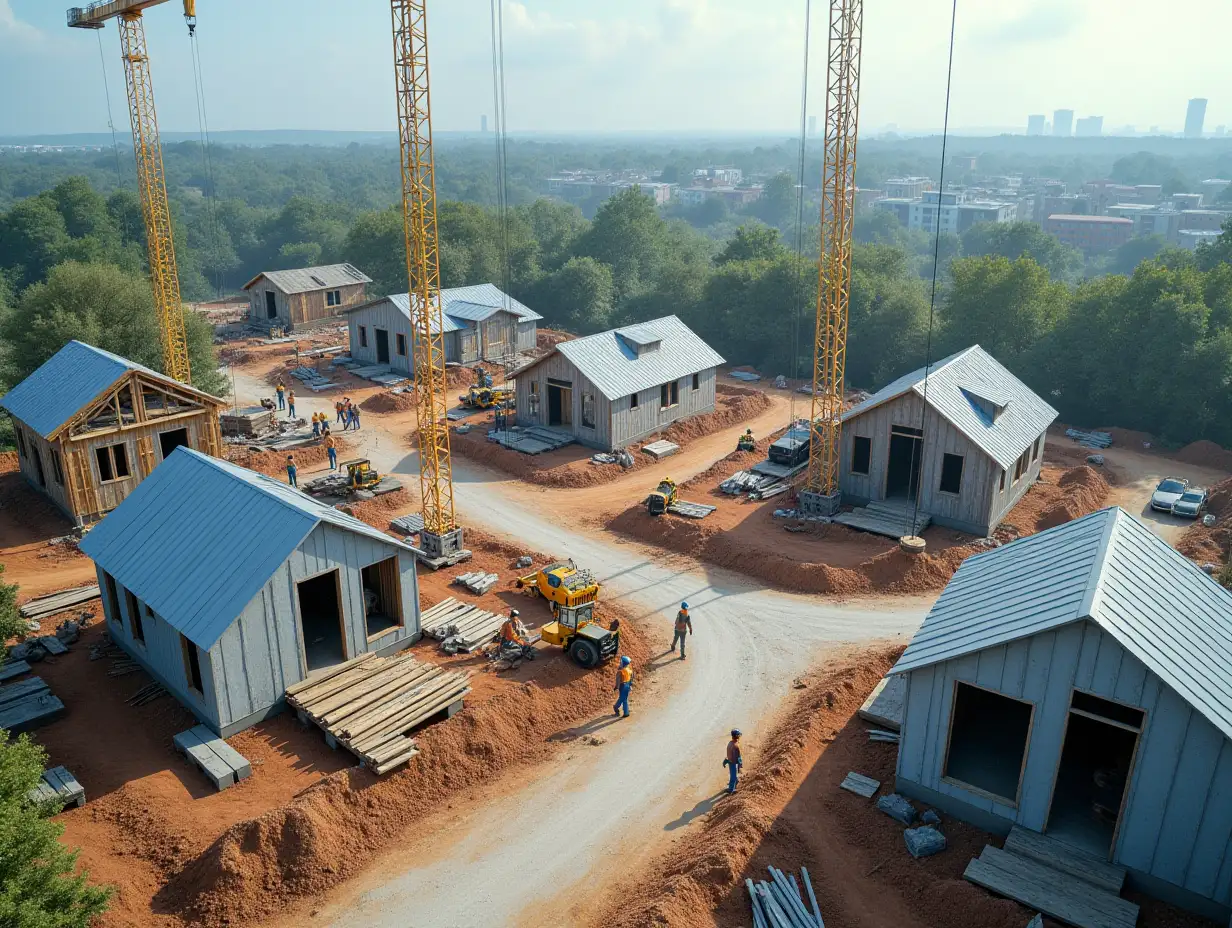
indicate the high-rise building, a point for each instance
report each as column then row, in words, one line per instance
column 1063, row 123
column 1035, row 124
column 483, row 123
column 812, row 125
column 1089, row 126
column 1195, row 113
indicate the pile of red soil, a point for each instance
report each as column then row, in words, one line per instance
column 1211, row 545
column 274, row 463
column 9, row 462
column 459, row 378
column 547, row 339
column 1205, row 453
column 378, row 511
column 388, row 401
column 720, row 470
column 328, row 832
column 1083, row 491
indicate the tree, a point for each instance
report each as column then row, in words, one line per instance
column 376, row 244
column 777, row 204
column 577, row 296
column 555, row 227
column 751, row 243
column 1004, row 306
column 1212, row 254
column 40, row 885
column 887, row 324
column 1015, row 239
column 1138, row 249
column 627, row 235
column 104, row 306
column 11, row 625
column 32, row 239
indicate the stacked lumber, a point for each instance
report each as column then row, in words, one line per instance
column 58, row 602
column 758, row 486
column 477, row 581
column 60, row 786
column 459, row 626
column 28, row 704
column 370, row 703
column 1096, row 440
column 778, row 902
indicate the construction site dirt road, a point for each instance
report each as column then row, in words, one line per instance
column 521, row 859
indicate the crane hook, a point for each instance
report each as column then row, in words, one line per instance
column 190, row 16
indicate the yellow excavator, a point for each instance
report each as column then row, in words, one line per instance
column 573, row 595
column 478, row 397
column 360, row 475
column 662, row 497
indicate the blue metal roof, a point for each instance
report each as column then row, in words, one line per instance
column 199, row 537
column 1106, row 567
column 69, row 380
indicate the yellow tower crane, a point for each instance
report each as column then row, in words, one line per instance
column 820, row 494
column 151, row 183
column 441, row 539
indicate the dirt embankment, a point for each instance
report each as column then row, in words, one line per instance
column 387, row 401
column 274, row 463
column 570, row 467
column 547, row 339
column 1205, row 453
column 789, row 812
column 1211, row 545
column 786, row 564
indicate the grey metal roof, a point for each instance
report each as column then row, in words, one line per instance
column 616, row 369
column 304, row 279
column 199, row 537
column 1110, row 569
column 952, row 381
column 485, row 295
column 65, row 383
column 402, row 302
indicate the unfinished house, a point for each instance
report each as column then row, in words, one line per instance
column 1075, row 685
column 481, row 323
column 618, row 387
column 969, row 446
column 91, row 425
column 229, row 586
column 297, row 298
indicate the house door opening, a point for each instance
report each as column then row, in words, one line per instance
column 271, row 305
column 560, row 402
column 903, row 465
column 1096, row 761
column 170, row 440
column 320, row 619
column 382, row 346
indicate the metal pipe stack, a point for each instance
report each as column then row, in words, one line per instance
column 778, row 902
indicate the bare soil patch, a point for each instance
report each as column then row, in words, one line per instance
column 789, row 812
column 1206, row 454
column 1211, row 545
column 274, row 463
column 570, row 467
column 547, row 339
column 387, row 401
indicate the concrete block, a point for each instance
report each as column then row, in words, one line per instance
column 924, row 841
column 930, row 817
column 898, row 808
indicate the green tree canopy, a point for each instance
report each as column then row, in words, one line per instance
column 1138, row 249
column 577, row 296
column 627, row 235
column 376, row 244
column 751, row 243
column 1013, row 240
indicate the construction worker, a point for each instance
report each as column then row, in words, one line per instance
column 355, row 417
column 624, row 683
column 290, row 404
column 316, row 426
column 291, row 471
column 282, row 396
column 338, row 410
column 684, row 626
column 346, row 413
column 734, row 761
column 511, row 631
column 331, row 448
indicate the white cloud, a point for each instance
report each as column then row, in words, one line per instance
column 16, row 30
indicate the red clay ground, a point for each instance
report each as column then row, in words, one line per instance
column 571, row 467
column 1211, row 545
column 790, row 813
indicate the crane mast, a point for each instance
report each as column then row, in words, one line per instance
column 151, row 181
column 820, row 494
column 441, row 539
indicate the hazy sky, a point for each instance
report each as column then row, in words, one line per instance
column 660, row 65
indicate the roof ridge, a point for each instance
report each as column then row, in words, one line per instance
column 225, row 467
column 1094, row 593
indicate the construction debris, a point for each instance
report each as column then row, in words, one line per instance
column 621, row 457
column 58, row 602
column 383, row 374
column 531, row 439
column 459, row 626
column 148, row 693
column 860, row 785
column 477, row 581
column 370, row 703
column 28, row 704
column 884, row 705
column 1096, row 459
column 1098, row 440
column 924, row 841
column 746, row 376
column 690, row 510
column 758, row 486
column 780, row 382
column 898, row 808
column 59, row 786
column 661, row 449
column 778, row 903
column 313, row 379
column 525, row 561
column 339, row 484
column 10, row 669
column 248, row 422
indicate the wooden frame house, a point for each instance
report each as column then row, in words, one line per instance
column 91, row 425
column 302, row 296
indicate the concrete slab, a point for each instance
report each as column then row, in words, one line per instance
column 885, row 704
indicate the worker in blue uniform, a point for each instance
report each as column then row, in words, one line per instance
column 624, row 683
column 734, row 760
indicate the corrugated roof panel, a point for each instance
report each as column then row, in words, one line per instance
column 67, row 381
column 472, row 312
column 488, row 295
column 1106, row 567
column 974, row 371
column 617, row 370
column 303, row 279
column 402, row 301
column 199, row 537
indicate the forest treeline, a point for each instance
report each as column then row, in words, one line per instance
column 1149, row 348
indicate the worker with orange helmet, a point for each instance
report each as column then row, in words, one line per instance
column 624, row 683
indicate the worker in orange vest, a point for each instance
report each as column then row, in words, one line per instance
column 684, row 627
column 331, row 448
column 282, row 396
column 290, row 404
column 624, row 683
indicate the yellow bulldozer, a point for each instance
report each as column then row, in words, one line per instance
column 360, row 474
column 662, row 497
column 478, row 397
column 572, row 595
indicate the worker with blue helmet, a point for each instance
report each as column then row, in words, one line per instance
column 684, row 627
column 624, row 683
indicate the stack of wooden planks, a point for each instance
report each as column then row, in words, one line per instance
column 370, row 703
column 477, row 581
column 222, row 764
column 28, row 704
column 59, row 602
column 459, row 626
column 58, row 785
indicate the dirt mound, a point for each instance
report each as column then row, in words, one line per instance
column 1083, row 491
column 380, row 509
column 547, row 339
column 733, row 405
column 1211, row 545
column 459, row 377
column 1128, row 438
column 1205, row 453
column 326, row 834
column 1221, row 497
column 274, row 463
column 9, row 462
column 389, row 401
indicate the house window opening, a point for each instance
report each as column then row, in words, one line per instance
column 588, row 410
column 951, row 473
column 382, row 597
column 697, row 381
column 192, row 665
column 134, row 616
column 861, row 454
column 988, row 741
column 112, row 462
column 401, row 344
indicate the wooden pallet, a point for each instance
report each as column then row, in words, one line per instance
column 369, row 704
column 58, row 785
column 222, row 764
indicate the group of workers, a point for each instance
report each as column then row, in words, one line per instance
column 286, row 399
column 347, row 413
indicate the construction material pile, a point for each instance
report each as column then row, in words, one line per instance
column 778, row 902
column 745, row 376
column 59, row 602
column 459, row 626
column 1097, row 440
column 27, row 704
column 313, row 379
column 477, row 581
column 248, row 422
column 621, row 457
column 409, row 524
column 758, row 486
column 660, row 449
column 531, row 439
column 370, row 703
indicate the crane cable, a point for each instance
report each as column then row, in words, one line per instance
column 115, row 145
column 207, row 160
column 932, row 298
column 795, row 333
column 502, row 155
